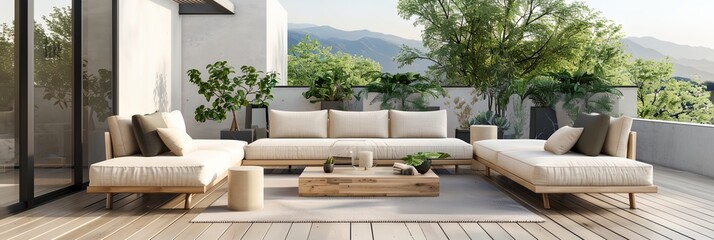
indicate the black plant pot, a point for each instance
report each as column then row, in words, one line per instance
column 424, row 167
column 247, row 135
column 337, row 105
column 544, row 122
column 463, row 134
column 328, row 168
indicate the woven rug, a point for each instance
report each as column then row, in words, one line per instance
column 463, row 198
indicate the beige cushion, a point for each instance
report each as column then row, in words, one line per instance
column 306, row 124
column 122, row 136
column 617, row 137
column 373, row 124
column 174, row 119
column 233, row 147
column 431, row 124
column 178, row 141
column 573, row 169
column 489, row 149
column 563, row 140
column 198, row 168
column 383, row 148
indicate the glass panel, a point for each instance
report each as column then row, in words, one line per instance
column 9, row 166
column 96, row 77
column 53, row 95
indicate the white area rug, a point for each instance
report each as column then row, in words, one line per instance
column 463, row 198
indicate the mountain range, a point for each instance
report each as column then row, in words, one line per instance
column 689, row 62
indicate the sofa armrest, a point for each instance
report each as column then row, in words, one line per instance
column 632, row 146
column 482, row 132
column 108, row 146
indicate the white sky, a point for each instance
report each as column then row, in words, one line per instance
column 689, row 22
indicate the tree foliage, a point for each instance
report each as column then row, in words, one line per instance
column 488, row 44
column 403, row 91
column 660, row 96
column 308, row 59
column 332, row 85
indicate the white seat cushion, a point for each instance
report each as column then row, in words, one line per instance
column 572, row 169
column 198, row 168
column 489, row 149
column 383, row 148
column 233, row 147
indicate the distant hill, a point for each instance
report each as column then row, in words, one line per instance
column 689, row 62
column 378, row 46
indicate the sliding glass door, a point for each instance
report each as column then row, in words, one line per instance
column 9, row 164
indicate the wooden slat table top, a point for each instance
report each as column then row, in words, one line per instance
column 350, row 172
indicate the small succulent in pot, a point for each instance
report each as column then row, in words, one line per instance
column 329, row 165
column 422, row 160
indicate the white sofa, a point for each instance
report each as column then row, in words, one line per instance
column 127, row 171
column 527, row 163
column 305, row 138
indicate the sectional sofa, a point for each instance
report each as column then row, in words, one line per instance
column 305, row 138
column 614, row 170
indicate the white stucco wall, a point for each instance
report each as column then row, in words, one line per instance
column 148, row 35
column 255, row 35
column 683, row 146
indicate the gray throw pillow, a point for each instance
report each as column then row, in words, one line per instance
column 146, row 135
column 592, row 139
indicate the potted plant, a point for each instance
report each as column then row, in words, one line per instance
column 543, row 92
column 403, row 91
column 329, row 165
column 331, row 89
column 585, row 92
column 463, row 111
column 231, row 93
column 422, row 160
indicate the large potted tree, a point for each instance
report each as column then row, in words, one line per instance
column 331, row 89
column 228, row 94
column 543, row 92
column 403, row 91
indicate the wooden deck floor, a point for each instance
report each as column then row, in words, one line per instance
column 683, row 208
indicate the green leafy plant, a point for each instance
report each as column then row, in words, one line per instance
column 488, row 118
column 330, row 160
column 585, row 92
column 333, row 85
column 229, row 93
column 543, row 91
column 418, row 158
column 403, row 91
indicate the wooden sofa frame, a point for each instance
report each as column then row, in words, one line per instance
column 111, row 190
column 545, row 190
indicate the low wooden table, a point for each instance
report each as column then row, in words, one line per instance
column 375, row 182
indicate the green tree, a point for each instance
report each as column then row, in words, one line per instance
column 488, row 44
column 660, row 96
column 308, row 59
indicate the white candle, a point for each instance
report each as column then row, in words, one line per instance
column 365, row 159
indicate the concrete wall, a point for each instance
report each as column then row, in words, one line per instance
column 684, row 146
column 255, row 35
column 291, row 99
column 149, row 56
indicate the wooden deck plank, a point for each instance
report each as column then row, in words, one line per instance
column 40, row 223
column 475, row 231
column 613, row 228
column 184, row 221
column 495, row 231
column 516, row 231
column 390, row 231
column 676, row 213
column 299, row 231
column 432, row 231
column 362, row 231
column 278, row 231
column 236, row 231
column 332, row 231
column 256, row 231
column 215, row 231
column 415, row 231
column 454, row 231
column 537, row 231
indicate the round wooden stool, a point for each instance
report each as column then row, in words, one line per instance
column 245, row 188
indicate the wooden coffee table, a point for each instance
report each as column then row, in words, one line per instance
column 374, row 182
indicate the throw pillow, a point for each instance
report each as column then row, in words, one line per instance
column 146, row 135
column 595, row 128
column 178, row 141
column 174, row 119
column 122, row 136
column 563, row 140
column 617, row 136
